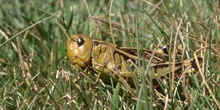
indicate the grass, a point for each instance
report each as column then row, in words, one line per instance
column 35, row 73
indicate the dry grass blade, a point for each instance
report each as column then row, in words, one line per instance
column 33, row 25
column 203, row 77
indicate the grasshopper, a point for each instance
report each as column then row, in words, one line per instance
column 95, row 56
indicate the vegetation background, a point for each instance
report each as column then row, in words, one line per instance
column 35, row 73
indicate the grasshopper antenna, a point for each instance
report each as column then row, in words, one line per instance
column 63, row 26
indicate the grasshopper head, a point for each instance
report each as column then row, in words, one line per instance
column 79, row 48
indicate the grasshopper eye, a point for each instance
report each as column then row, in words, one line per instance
column 165, row 49
column 80, row 41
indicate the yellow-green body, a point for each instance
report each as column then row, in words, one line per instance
column 93, row 55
